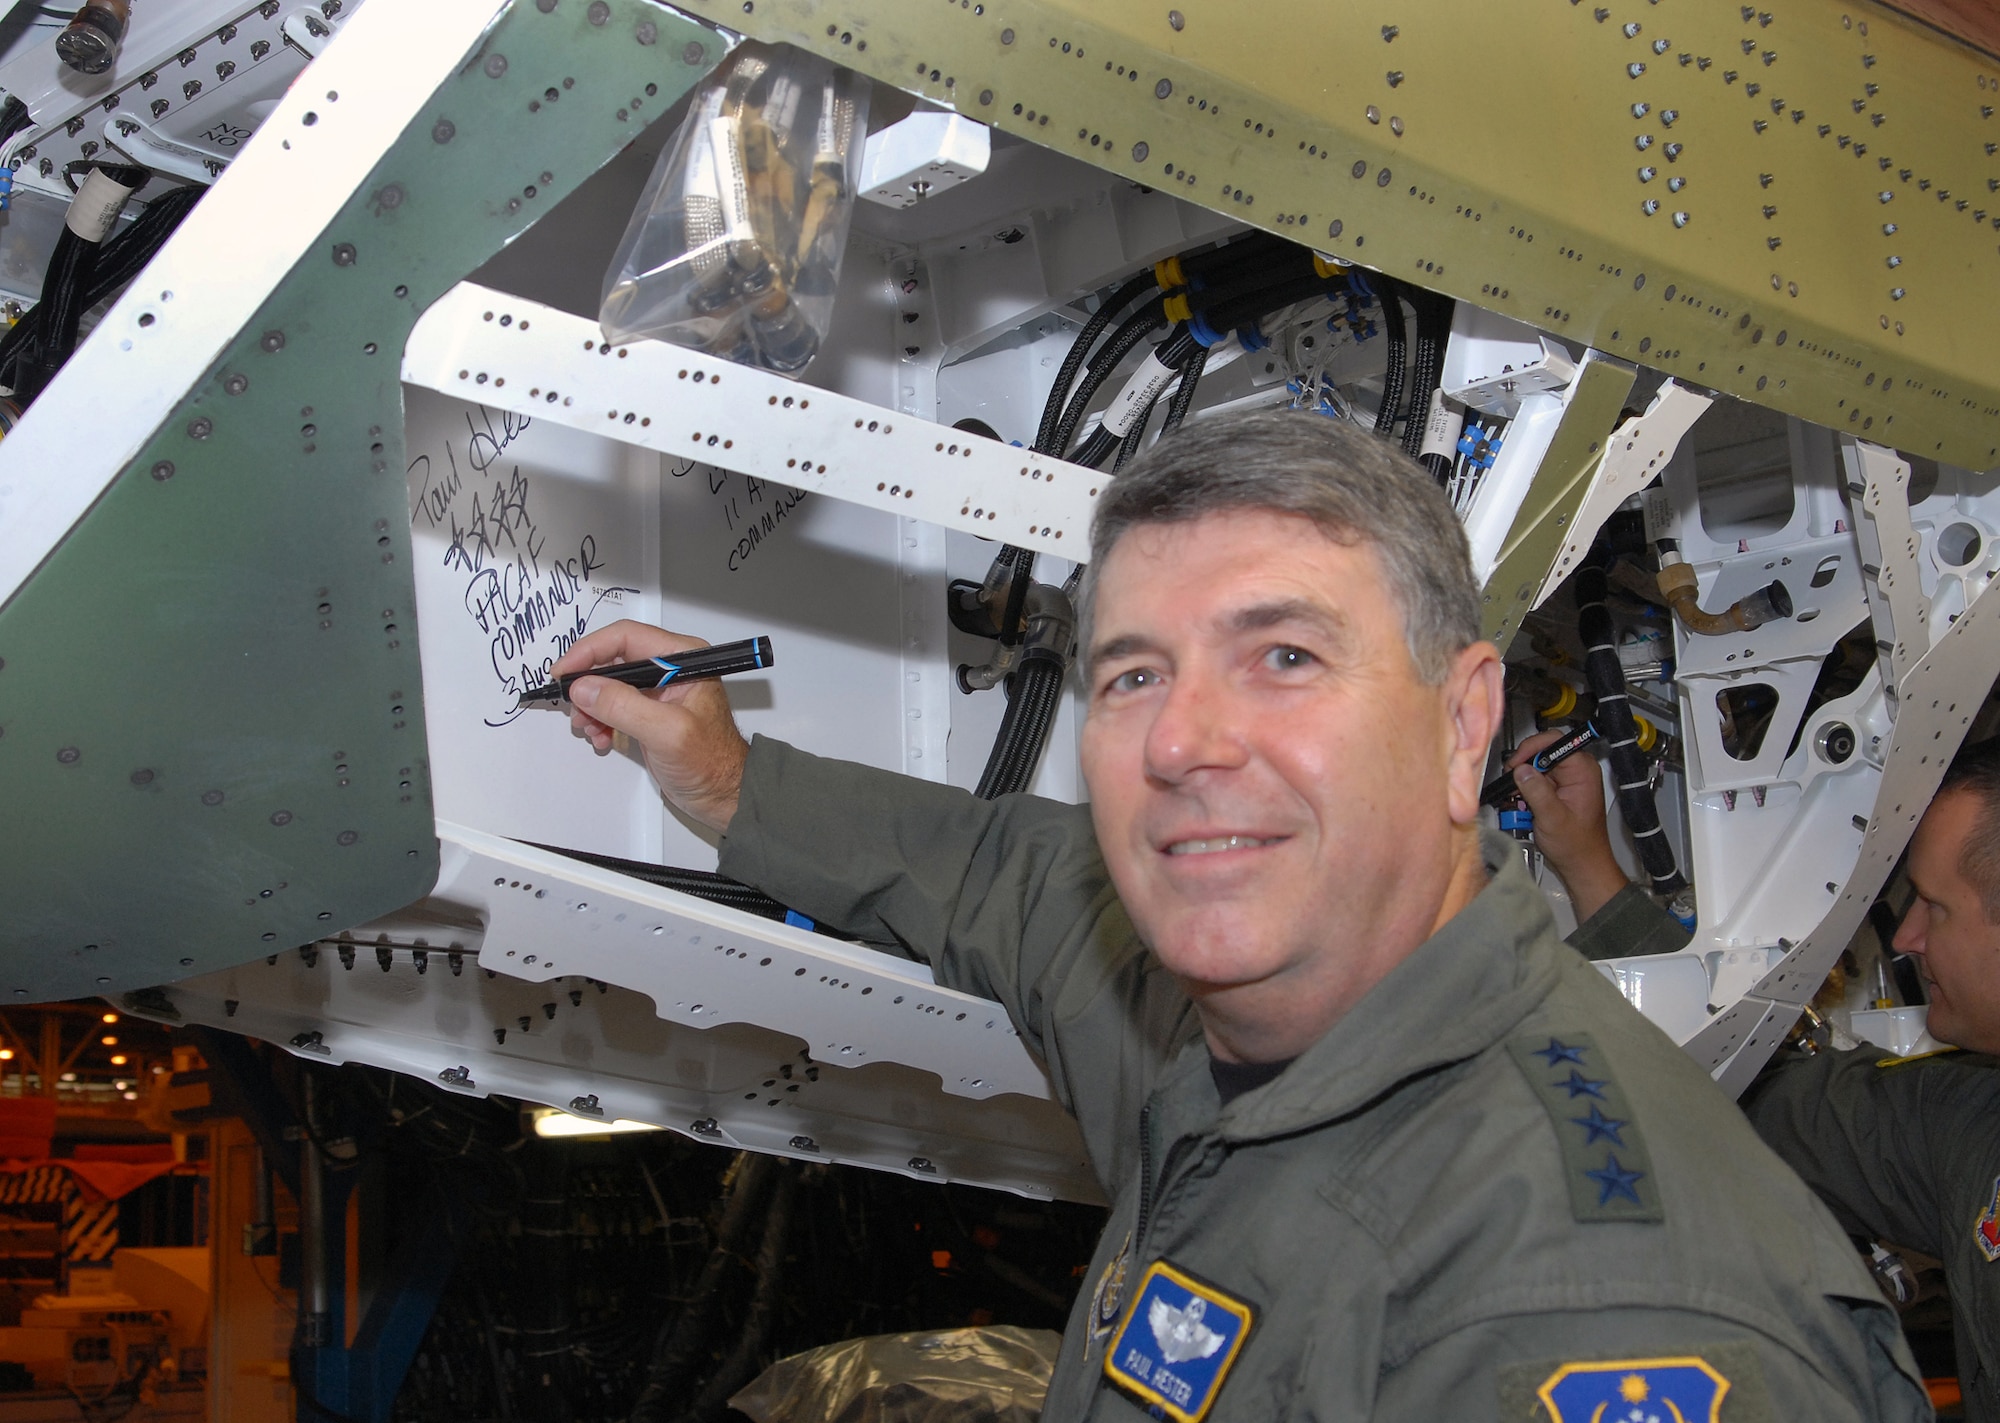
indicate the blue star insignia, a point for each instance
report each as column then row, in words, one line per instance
column 1598, row 1127
column 1614, row 1180
column 1578, row 1085
column 1556, row 1052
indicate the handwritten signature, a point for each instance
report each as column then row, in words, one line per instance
column 532, row 605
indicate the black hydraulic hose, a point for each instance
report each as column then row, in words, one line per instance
column 1135, row 328
column 753, row 1332
column 1177, row 408
column 1131, row 291
column 1182, row 399
column 1099, row 443
column 122, row 259
column 1134, row 437
column 1433, row 331
column 702, row 884
column 1629, row 772
column 72, row 268
column 1396, row 339
column 1036, row 694
column 679, row 1344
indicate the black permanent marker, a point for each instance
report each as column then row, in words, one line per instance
column 696, row 663
column 1500, row 789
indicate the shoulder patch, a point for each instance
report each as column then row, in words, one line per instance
column 1986, row 1230
column 1717, row 1383
column 1605, row 1165
column 1179, row 1340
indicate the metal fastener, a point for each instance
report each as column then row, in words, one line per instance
column 273, row 341
column 343, row 254
column 443, row 131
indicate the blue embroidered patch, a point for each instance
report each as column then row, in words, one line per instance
column 1683, row 1390
column 1178, row 1342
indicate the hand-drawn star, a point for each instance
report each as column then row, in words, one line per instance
column 1578, row 1085
column 1614, row 1180
column 1598, row 1127
column 1557, row 1052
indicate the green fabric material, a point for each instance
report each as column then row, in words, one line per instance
column 1747, row 1400
column 1396, row 1202
column 1605, row 1161
column 1630, row 925
column 1909, row 1154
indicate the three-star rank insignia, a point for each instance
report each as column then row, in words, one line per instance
column 1685, row 1390
column 1605, row 1165
column 1178, row 1342
column 1986, row 1230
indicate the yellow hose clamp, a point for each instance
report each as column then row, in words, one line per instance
column 1649, row 735
column 1176, row 308
column 1167, row 272
column 1562, row 706
column 1328, row 266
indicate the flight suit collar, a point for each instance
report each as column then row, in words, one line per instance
column 1458, row 993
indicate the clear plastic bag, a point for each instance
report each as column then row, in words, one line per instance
column 736, row 243
column 992, row 1375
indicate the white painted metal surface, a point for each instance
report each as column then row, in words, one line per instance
column 482, row 345
column 535, row 976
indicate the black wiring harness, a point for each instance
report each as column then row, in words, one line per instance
column 82, row 275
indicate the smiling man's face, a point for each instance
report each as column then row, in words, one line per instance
column 1284, row 805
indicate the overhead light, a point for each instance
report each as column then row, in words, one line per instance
column 550, row 1122
column 69, row 1077
column 109, row 1040
column 110, row 1017
column 118, row 1059
column 6, row 1054
column 131, row 1096
column 121, row 1084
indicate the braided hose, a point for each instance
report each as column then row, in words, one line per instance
column 1629, row 772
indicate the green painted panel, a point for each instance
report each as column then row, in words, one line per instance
column 1493, row 151
column 214, row 740
column 1557, row 492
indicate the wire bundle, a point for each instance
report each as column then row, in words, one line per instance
column 81, row 275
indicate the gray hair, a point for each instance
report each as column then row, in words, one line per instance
column 1356, row 487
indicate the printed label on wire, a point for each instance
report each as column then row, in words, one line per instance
column 95, row 207
column 1152, row 377
column 1442, row 427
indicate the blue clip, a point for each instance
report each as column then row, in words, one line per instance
column 1517, row 820
column 798, row 920
column 7, row 187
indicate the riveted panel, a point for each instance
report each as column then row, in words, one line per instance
column 1797, row 203
column 211, row 693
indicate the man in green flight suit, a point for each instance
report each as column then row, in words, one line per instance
column 1377, row 1144
column 1904, row 1151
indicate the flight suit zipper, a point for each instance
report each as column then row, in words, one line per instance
column 1146, row 1190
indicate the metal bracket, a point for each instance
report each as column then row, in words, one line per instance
column 1878, row 490
column 1527, row 555
column 1639, row 450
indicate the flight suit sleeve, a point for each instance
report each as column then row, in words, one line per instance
column 1862, row 1136
column 1629, row 925
column 1007, row 899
